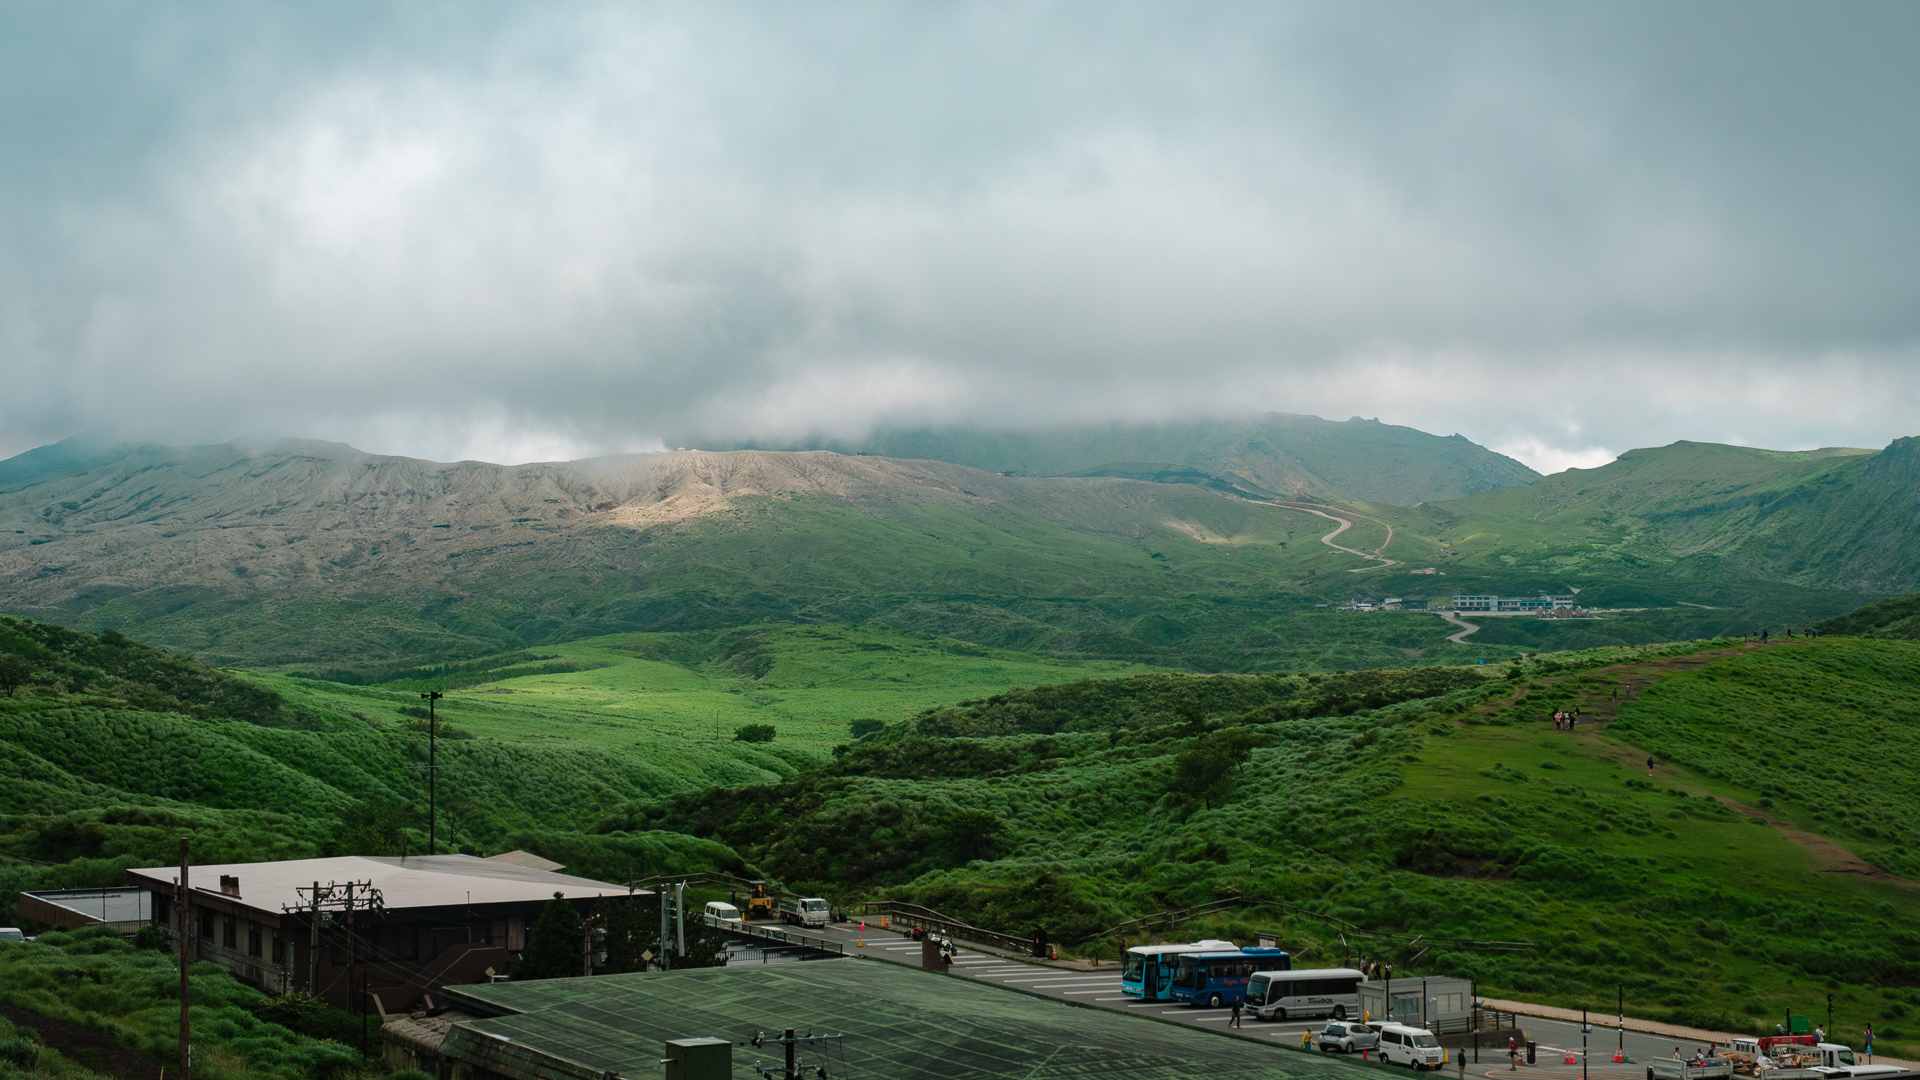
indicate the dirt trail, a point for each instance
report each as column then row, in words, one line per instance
column 1635, row 677
column 1345, row 524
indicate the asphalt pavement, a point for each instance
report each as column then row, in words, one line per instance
column 1101, row 988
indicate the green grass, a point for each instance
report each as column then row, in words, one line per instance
column 1455, row 815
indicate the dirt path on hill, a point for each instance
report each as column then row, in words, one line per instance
column 1345, row 524
column 1635, row 677
column 89, row 1049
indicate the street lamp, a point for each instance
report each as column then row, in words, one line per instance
column 433, row 775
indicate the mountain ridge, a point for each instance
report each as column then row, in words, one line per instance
column 1355, row 460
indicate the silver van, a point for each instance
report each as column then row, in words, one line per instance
column 1413, row 1047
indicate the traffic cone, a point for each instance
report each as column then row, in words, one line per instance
column 1570, row 1059
column 1619, row 1056
column 883, row 922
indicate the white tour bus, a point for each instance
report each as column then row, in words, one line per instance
column 1305, row 993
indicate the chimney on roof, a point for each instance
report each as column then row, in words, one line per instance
column 229, row 885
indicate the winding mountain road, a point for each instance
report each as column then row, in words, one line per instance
column 1345, row 524
column 1465, row 627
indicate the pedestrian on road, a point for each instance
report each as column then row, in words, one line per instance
column 1819, row 1034
column 1869, row 1044
column 1513, row 1054
column 1235, row 1021
column 1460, row 1063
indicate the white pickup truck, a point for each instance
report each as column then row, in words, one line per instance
column 1799, row 1058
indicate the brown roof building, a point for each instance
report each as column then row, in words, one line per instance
column 386, row 932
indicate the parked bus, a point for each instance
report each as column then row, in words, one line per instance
column 1149, row 968
column 1305, row 993
column 1220, row 978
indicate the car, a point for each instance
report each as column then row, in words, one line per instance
column 12, row 933
column 1346, row 1037
column 1414, row 1047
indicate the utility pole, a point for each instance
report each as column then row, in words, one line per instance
column 791, row 1041
column 1584, row 1028
column 433, row 769
column 319, row 903
column 1623, row 1017
column 186, row 902
column 666, row 939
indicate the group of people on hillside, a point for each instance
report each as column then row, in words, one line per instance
column 1564, row 719
column 1761, row 635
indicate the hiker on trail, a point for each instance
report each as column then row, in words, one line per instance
column 1556, row 719
column 1234, row 1021
column 1649, row 766
column 1789, row 632
column 1513, row 1054
column 1763, row 637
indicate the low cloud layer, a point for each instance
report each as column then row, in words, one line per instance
column 521, row 233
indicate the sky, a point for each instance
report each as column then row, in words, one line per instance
column 522, row 232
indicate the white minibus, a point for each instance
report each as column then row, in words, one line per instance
column 1305, row 993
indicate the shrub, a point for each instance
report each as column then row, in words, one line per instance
column 754, row 733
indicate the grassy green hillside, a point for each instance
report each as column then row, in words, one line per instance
column 1700, row 514
column 1898, row 618
column 1754, row 872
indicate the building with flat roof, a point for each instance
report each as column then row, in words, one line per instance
column 440, row 919
column 899, row 1022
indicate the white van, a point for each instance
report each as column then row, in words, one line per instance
column 1413, row 1047
column 720, row 909
column 1305, row 993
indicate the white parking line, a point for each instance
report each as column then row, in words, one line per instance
column 1195, row 1012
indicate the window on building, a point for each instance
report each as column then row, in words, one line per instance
column 206, row 926
column 279, row 950
column 229, row 933
column 254, row 941
column 1449, row 1003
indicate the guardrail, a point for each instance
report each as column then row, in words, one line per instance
column 915, row 915
column 770, row 933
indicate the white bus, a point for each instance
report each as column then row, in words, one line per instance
column 1305, row 993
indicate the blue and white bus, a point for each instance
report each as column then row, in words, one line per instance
column 1220, row 978
column 1149, row 969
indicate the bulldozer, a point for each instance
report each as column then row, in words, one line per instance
column 760, row 906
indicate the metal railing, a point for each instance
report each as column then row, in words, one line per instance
column 780, row 934
column 915, row 915
column 1175, row 915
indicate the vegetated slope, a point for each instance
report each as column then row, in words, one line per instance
column 113, row 750
column 1712, row 892
column 1897, row 618
column 308, row 552
column 1352, row 461
column 1835, row 519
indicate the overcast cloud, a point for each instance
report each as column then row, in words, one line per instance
column 545, row 231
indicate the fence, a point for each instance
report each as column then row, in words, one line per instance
column 771, row 933
column 915, row 915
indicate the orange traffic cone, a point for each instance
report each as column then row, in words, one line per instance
column 1570, row 1059
column 1619, row 1056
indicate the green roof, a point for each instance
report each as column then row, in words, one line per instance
column 899, row 1021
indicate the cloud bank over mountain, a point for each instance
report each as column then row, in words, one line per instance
column 517, row 234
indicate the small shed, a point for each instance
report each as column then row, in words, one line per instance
column 1437, row 1002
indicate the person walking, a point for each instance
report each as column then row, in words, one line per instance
column 1763, row 637
column 1649, row 766
column 1869, row 1044
column 1234, row 1021
column 1513, row 1054
column 1460, row 1063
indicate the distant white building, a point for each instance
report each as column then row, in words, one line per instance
column 1542, row 602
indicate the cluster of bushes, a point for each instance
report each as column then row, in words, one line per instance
column 97, row 979
column 114, row 671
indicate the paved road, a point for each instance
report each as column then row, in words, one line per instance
column 1102, row 988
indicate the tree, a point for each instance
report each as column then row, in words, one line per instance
column 370, row 828
column 754, row 733
column 553, row 945
column 866, row 726
column 1205, row 773
column 632, row 933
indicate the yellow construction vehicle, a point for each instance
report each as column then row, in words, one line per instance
column 760, row 902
